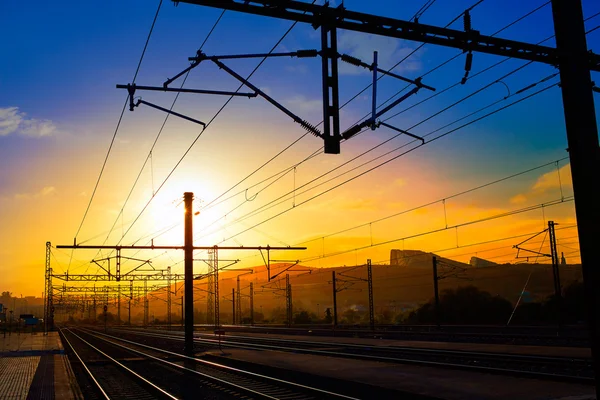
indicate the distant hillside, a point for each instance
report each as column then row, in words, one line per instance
column 396, row 288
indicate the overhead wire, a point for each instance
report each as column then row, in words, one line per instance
column 209, row 123
column 389, row 160
column 137, row 70
column 316, row 152
column 317, row 125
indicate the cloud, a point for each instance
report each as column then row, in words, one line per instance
column 302, row 104
column 550, row 180
column 553, row 182
column 44, row 192
column 400, row 182
column 296, row 69
column 14, row 121
column 518, row 199
column 361, row 46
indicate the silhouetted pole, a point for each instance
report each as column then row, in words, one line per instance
column 555, row 272
column 436, row 292
column 251, row 303
column 182, row 315
column 584, row 152
column 335, row 321
column 233, row 305
column 555, row 260
column 370, row 285
column 188, row 198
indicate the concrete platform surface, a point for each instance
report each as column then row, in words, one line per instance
column 32, row 344
column 552, row 351
column 436, row 382
column 35, row 367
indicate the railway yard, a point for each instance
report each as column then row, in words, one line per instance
column 269, row 363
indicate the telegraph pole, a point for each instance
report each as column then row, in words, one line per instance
column 238, row 304
column 119, row 306
column 555, row 272
column 555, row 260
column 370, row 285
column 288, row 300
column 335, row 321
column 233, row 304
column 251, row 303
column 169, row 298
column 436, row 292
column 188, row 198
column 584, row 152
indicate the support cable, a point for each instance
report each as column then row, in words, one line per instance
column 137, row 70
column 379, row 165
column 207, row 125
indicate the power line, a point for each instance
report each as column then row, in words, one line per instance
column 160, row 133
column 137, row 70
column 317, row 151
column 391, row 159
column 485, row 185
column 304, row 135
column 207, row 125
column 497, row 216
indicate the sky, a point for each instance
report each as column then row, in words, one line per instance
column 59, row 110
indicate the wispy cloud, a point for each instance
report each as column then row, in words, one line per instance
column 44, row 192
column 302, row 104
column 14, row 121
column 551, row 182
column 390, row 51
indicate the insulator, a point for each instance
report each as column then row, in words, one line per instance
column 469, row 61
column 351, row 60
column 467, row 20
column 351, row 132
column 306, row 53
column 311, row 128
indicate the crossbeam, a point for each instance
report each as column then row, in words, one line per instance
column 318, row 15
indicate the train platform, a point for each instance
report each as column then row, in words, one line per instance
column 34, row 366
column 550, row 351
column 436, row 383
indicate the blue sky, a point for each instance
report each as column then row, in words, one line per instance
column 62, row 60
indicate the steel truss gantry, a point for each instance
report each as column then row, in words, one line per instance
column 571, row 55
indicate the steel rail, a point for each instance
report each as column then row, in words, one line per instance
column 132, row 372
column 84, row 366
column 212, row 364
column 502, row 356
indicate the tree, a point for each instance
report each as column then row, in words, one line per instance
column 328, row 316
column 465, row 305
column 302, row 317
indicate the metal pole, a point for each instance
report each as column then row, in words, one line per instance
column 188, row 198
column 252, row 303
column 555, row 260
column 233, row 304
column 238, row 304
column 370, row 284
column 584, row 152
column 182, row 315
column 169, row 297
column 374, row 99
column 119, row 306
column 436, row 292
column 335, row 321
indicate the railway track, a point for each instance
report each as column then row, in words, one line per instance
column 117, row 368
column 565, row 369
column 533, row 336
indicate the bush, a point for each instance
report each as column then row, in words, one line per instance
column 465, row 305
